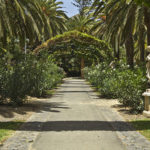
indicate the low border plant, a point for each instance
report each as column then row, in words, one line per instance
column 121, row 82
column 22, row 75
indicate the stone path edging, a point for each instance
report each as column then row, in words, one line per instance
column 24, row 138
column 131, row 138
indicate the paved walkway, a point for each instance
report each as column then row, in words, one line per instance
column 76, row 119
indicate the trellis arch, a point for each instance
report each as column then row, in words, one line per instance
column 81, row 44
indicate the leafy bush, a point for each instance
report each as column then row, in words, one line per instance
column 22, row 75
column 120, row 82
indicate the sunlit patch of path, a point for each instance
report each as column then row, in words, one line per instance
column 80, row 125
column 75, row 118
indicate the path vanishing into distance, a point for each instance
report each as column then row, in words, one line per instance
column 75, row 118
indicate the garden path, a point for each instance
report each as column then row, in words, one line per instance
column 75, row 118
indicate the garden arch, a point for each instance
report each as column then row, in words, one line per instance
column 81, row 44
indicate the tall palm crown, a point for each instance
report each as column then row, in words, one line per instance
column 25, row 19
column 20, row 19
column 124, row 22
column 57, row 17
column 80, row 23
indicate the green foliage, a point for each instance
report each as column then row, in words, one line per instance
column 35, row 20
column 123, row 23
column 121, row 82
column 70, row 64
column 68, row 36
column 22, row 75
column 82, row 5
column 145, row 2
column 46, row 76
column 80, row 23
column 82, row 45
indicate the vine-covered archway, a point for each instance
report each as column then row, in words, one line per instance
column 84, row 46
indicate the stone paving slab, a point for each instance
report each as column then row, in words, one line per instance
column 100, row 112
column 22, row 139
column 131, row 138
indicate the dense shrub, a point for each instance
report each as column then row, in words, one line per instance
column 120, row 82
column 22, row 75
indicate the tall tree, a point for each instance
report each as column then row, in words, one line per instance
column 146, row 5
column 124, row 20
column 21, row 19
column 82, row 5
column 30, row 19
column 56, row 16
column 80, row 23
column 147, row 23
column 145, row 2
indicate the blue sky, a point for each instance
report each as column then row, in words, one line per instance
column 70, row 9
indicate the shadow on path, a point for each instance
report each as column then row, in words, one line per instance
column 75, row 92
column 38, row 106
column 74, row 126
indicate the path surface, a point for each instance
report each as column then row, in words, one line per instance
column 76, row 119
column 79, row 125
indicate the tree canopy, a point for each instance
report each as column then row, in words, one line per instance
column 145, row 2
column 35, row 20
column 80, row 44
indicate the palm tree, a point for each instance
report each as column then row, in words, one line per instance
column 123, row 21
column 21, row 19
column 30, row 19
column 56, row 16
column 80, row 23
column 82, row 5
column 147, row 22
column 145, row 2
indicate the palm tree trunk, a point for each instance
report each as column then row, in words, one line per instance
column 4, row 39
column 142, row 52
column 116, row 45
column 147, row 23
column 130, row 50
column 118, row 53
column 118, row 48
column 114, row 48
column 142, row 44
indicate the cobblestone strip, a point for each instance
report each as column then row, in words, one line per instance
column 23, row 139
column 129, row 137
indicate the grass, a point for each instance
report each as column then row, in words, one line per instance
column 8, row 128
column 143, row 126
